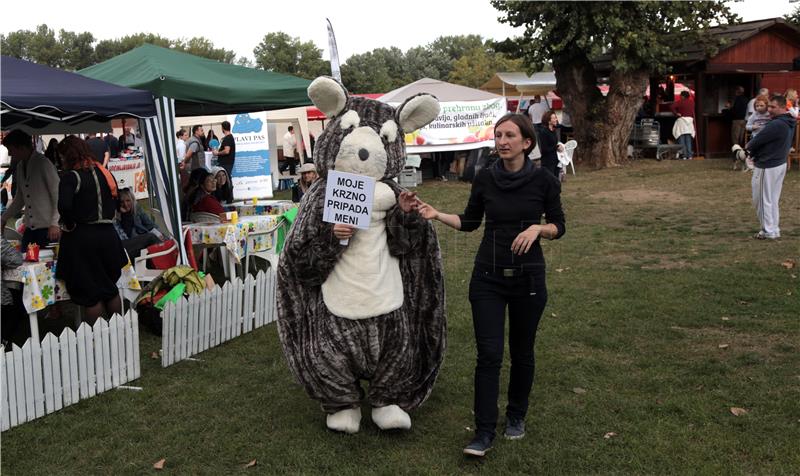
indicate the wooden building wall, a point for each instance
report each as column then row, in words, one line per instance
column 765, row 49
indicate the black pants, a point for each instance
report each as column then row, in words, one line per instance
column 288, row 163
column 490, row 294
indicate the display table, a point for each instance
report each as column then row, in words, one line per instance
column 40, row 288
column 234, row 236
column 261, row 207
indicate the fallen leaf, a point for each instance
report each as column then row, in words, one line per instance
column 659, row 401
column 723, row 346
column 609, row 435
column 559, row 270
column 468, row 428
column 154, row 356
column 553, row 314
column 738, row 411
column 250, row 464
column 726, row 318
column 579, row 391
column 789, row 264
column 160, row 464
column 794, row 276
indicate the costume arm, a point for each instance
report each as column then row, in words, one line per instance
column 403, row 230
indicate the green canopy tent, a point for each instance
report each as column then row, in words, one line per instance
column 187, row 85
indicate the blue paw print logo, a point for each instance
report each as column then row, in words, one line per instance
column 245, row 124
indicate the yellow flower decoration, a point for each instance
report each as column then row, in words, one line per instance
column 37, row 303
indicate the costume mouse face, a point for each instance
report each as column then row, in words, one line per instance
column 365, row 136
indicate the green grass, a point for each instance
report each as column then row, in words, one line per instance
column 655, row 255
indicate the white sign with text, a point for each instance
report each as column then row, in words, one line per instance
column 348, row 199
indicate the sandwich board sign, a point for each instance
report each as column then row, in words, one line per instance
column 348, row 199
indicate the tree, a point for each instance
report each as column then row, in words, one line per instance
column 281, row 53
column 638, row 37
column 479, row 65
column 794, row 17
column 77, row 51
column 378, row 71
column 198, row 46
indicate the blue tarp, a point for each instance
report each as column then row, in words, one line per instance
column 35, row 96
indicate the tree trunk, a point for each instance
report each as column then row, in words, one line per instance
column 602, row 124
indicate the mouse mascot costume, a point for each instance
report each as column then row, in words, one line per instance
column 372, row 309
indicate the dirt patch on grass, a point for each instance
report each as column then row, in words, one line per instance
column 636, row 195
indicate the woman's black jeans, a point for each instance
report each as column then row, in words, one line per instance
column 525, row 295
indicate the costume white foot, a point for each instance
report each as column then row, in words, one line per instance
column 391, row 417
column 346, row 421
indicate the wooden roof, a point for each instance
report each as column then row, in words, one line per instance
column 731, row 36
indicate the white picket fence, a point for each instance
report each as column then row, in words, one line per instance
column 38, row 379
column 218, row 315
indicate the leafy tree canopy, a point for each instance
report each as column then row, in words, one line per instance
column 282, row 53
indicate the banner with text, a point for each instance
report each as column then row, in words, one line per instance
column 251, row 168
column 130, row 174
column 461, row 125
column 348, row 199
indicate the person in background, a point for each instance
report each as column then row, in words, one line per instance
column 212, row 143
column 226, row 153
column 509, row 272
column 792, row 102
column 760, row 117
column 684, row 130
column 91, row 256
column 13, row 311
column 738, row 113
column 224, row 191
column 113, row 145
column 751, row 105
column 134, row 227
column 195, row 151
column 548, row 142
column 289, row 146
column 37, row 191
column 99, row 149
column 536, row 111
column 769, row 150
column 199, row 194
column 180, row 144
column 308, row 174
column 127, row 139
column 52, row 153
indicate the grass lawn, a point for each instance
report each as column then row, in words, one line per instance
column 664, row 313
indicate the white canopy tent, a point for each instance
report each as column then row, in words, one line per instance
column 509, row 84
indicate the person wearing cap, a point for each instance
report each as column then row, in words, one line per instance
column 308, row 175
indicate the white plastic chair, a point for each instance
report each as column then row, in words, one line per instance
column 268, row 254
column 569, row 149
column 145, row 274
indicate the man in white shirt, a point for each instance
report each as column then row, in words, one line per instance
column 180, row 144
column 289, row 146
column 537, row 109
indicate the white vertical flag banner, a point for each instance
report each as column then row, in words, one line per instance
column 335, row 72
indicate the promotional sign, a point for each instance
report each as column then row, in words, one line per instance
column 460, row 125
column 130, row 174
column 348, row 199
column 251, row 169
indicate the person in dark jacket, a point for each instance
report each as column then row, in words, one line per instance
column 738, row 116
column 91, row 256
column 548, row 142
column 769, row 150
column 509, row 271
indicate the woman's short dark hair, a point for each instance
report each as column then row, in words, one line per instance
column 525, row 128
column 546, row 117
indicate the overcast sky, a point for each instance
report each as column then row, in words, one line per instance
column 360, row 26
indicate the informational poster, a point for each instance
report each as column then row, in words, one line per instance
column 461, row 125
column 130, row 174
column 251, row 168
column 348, row 199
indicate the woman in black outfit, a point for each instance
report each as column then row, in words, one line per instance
column 509, row 272
column 548, row 142
column 91, row 256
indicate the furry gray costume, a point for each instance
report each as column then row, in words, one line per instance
column 398, row 350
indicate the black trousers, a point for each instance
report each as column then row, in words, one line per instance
column 525, row 297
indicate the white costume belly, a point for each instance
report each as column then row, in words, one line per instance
column 366, row 280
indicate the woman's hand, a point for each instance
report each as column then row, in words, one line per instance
column 408, row 201
column 343, row 232
column 523, row 242
column 560, row 147
column 426, row 211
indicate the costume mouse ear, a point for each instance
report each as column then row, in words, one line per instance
column 417, row 111
column 328, row 95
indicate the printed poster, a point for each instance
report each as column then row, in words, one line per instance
column 251, row 168
column 461, row 125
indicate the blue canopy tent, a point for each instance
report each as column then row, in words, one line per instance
column 40, row 99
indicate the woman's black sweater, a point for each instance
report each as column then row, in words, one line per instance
column 512, row 202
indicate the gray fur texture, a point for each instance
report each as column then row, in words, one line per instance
column 399, row 353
